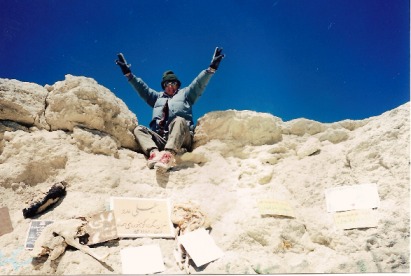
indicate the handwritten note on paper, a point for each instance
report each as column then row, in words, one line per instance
column 364, row 218
column 272, row 207
column 364, row 196
column 140, row 217
column 101, row 227
column 200, row 246
column 146, row 259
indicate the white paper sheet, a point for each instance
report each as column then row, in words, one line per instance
column 364, row 218
column 142, row 217
column 146, row 259
column 275, row 207
column 345, row 198
column 200, row 246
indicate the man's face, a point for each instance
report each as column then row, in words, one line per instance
column 171, row 88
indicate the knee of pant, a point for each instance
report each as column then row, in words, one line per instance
column 140, row 129
column 180, row 120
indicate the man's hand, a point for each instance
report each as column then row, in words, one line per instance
column 121, row 61
column 217, row 57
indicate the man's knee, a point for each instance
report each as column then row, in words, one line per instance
column 140, row 129
column 180, row 121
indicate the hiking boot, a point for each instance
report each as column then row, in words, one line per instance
column 167, row 161
column 155, row 157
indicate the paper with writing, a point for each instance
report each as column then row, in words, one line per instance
column 344, row 198
column 146, row 259
column 364, row 218
column 140, row 217
column 273, row 207
column 200, row 246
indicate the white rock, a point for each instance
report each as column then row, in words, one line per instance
column 33, row 158
column 334, row 135
column 238, row 127
column 81, row 101
column 311, row 146
column 23, row 102
column 241, row 157
column 303, row 126
column 94, row 141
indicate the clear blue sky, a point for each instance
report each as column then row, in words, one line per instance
column 325, row 60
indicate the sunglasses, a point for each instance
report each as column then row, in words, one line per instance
column 167, row 83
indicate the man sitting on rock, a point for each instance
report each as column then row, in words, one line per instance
column 172, row 126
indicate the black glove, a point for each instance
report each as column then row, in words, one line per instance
column 121, row 61
column 217, row 57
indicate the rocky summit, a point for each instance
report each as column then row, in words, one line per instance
column 79, row 132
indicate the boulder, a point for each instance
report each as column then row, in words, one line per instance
column 303, row 126
column 23, row 102
column 81, row 101
column 238, row 127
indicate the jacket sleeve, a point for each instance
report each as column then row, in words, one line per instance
column 197, row 86
column 146, row 93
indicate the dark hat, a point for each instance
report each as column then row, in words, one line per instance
column 169, row 76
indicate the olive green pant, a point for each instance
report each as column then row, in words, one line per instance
column 179, row 136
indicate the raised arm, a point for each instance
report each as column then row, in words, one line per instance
column 146, row 93
column 198, row 85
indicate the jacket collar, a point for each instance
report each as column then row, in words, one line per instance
column 165, row 95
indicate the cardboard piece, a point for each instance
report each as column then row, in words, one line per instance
column 364, row 218
column 345, row 198
column 140, row 217
column 101, row 227
column 146, row 259
column 273, row 207
column 5, row 221
column 34, row 231
column 200, row 246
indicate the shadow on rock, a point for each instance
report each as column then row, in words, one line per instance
column 162, row 177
